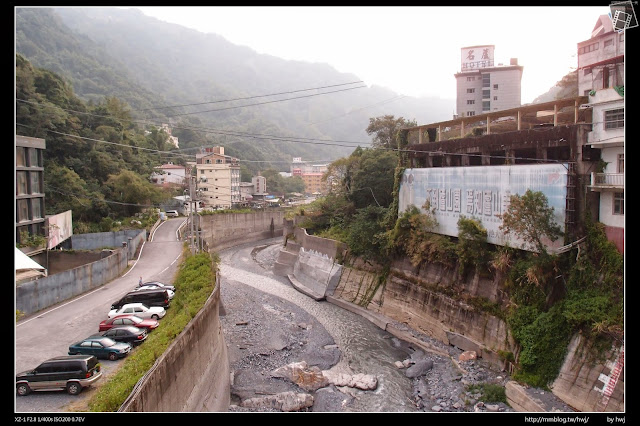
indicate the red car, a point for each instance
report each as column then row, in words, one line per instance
column 148, row 324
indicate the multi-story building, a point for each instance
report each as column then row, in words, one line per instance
column 483, row 86
column 601, row 77
column 217, row 179
column 259, row 185
column 169, row 174
column 311, row 175
column 30, row 214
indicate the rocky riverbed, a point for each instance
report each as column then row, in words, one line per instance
column 283, row 358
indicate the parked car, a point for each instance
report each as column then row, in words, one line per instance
column 127, row 334
column 150, row 287
column 158, row 284
column 158, row 297
column 71, row 373
column 100, row 347
column 140, row 310
column 172, row 213
column 147, row 324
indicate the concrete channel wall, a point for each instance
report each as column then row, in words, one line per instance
column 41, row 293
column 193, row 374
column 583, row 384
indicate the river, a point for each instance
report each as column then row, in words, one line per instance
column 364, row 348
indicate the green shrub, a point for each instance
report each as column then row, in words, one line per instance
column 489, row 392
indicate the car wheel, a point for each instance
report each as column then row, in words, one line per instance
column 74, row 388
column 155, row 317
column 23, row 389
column 113, row 356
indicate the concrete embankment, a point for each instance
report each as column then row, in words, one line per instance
column 193, row 374
column 403, row 297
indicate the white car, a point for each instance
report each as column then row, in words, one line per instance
column 140, row 310
column 172, row 213
column 151, row 287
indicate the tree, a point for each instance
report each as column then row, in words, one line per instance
column 472, row 246
column 530, row 217
column 371, row 178
column 132, row 192
column 385, row 130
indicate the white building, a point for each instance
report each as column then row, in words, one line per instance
column 483, row 86
column 217, row 178
column 169, row 173
column 601, row 76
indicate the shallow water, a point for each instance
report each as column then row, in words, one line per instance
column 364, row 347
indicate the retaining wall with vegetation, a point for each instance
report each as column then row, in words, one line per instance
column 420, row 300
column 193, row 374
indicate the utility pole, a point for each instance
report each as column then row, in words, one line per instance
column 191, row 214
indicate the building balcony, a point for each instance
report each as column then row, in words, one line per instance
column 607, row 182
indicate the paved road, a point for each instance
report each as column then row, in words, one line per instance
column 50, row 332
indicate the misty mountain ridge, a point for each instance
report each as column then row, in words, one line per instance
column 149, row 64
column 156, row 66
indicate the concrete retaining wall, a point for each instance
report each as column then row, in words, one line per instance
column 226, row 230
column 33, row 296
column 193, row 374
column 98, row 240
column 589, row 385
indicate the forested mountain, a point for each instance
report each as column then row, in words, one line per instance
column 151, row 65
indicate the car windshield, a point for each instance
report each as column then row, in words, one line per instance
column 106, row 342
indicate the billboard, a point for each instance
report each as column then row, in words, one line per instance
column 475, row 57
column 483, row 193
column 60, row 228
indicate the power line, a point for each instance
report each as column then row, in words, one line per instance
column 248, row 97
column 263, row 103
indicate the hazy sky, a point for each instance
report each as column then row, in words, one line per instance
column 413, row 51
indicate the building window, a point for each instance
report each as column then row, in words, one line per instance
column 20, row 157
column 471, row 90
column 486, row 80
column 36, row 208
column 22, row 210
column 618, row 203
column 471, row 78
column 620, row 163
column 471, row 113
column 495, row 87
column 34, row 157
column 495, row 98
column 35, row 183
column 21, row 183
column 608, row 42
column 614, row 119
column 470, row 102
column 588, row 48
column 587, row 71
column 486, row 94
column 486, row 105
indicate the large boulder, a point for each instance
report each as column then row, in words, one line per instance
column 419, row 368
column 284, row 401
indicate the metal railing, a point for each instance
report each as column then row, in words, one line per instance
column 615, row 180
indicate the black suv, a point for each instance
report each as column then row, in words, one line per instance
column 157, row 297
column 72, row 372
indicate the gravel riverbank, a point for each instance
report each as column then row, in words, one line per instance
column 268, row 324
